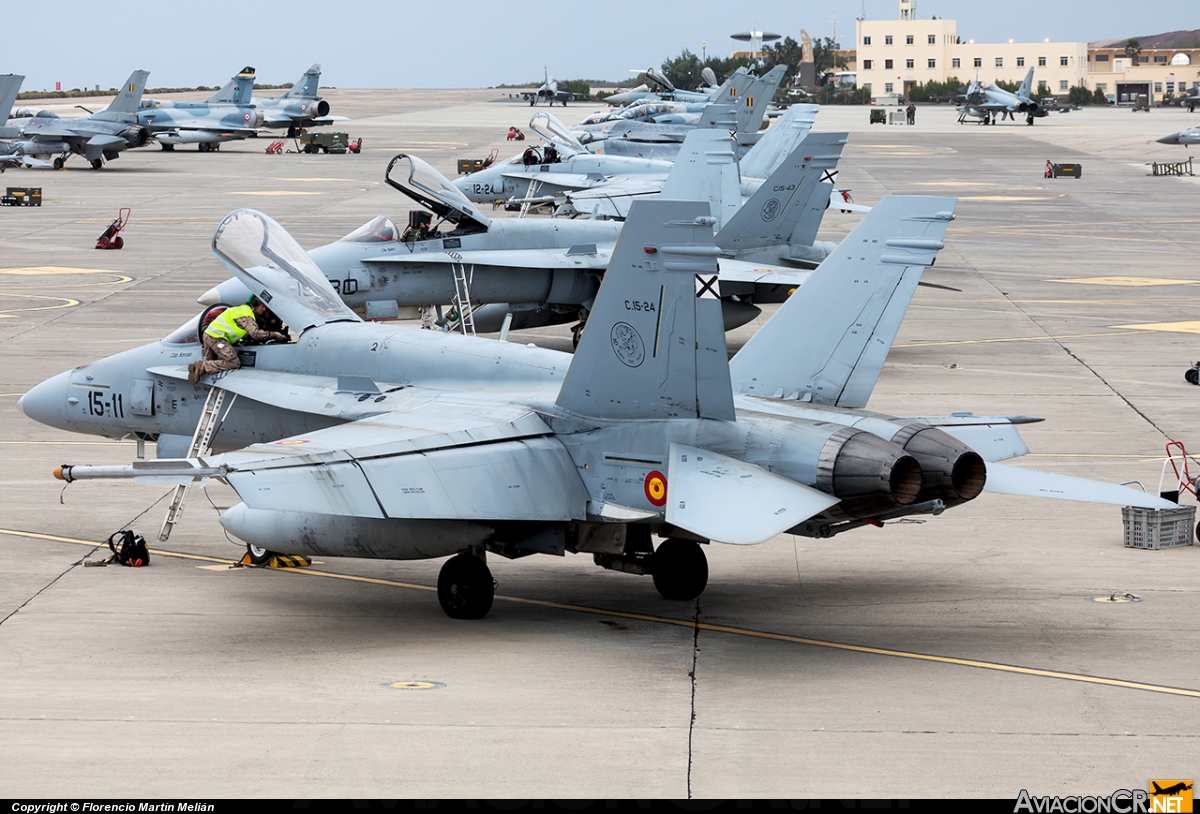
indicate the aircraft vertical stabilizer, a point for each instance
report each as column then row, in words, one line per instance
column 706, row 170
column 1026, row 89
column 779, row 141
column 10, row 86
column 238, row 90
column 752, row 108
column 130, row 97
column 307, row 87
column 790, row 204
column 828, row 342
column 654, row 346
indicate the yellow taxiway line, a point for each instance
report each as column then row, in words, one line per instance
column 688, row 623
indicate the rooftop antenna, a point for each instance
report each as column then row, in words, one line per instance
column 835, row 39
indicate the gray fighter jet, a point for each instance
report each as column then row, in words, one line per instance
column 229, row 115
column 97, row 137
column 10, row 154
column 370, row 441
column 300, row 107
column 1186, row 137
column 547, row 272
column 666, row 91
column 989, row 103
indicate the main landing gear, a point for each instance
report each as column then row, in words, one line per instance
column 680, row 569
column 465, row 587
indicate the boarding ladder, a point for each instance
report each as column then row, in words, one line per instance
column 534, row 186
column 462, row 297
column 206, row 428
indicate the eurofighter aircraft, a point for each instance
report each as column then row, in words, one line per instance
column 370, row 441
column 989, row 103
column 1186, row 137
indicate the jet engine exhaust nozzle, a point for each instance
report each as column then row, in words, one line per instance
column 951, row 471
column 868, row 474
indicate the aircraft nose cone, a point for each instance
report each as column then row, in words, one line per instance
column 1171, row 139
column 46, row 403
column 210, row 297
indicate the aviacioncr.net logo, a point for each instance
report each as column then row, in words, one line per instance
column 1121, row 801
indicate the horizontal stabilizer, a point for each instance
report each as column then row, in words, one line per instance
column 730, row 501
column 779, row 141
column 1012, row 480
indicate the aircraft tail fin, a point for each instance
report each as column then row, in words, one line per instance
column 706, row 170
column 130, row 96
column 308, row 87
column 237, row 90
column 753, row 105
column 1026, row 88
column 654, row 346
column 10, row 86
column 779, row 141
column 828, row 342
column 790, row 204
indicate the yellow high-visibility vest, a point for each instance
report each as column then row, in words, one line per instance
column 225, row 326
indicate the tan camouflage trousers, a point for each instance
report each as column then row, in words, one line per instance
column 219, row 355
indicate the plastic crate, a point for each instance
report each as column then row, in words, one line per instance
column 1153, row 529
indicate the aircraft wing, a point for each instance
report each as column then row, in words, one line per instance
column 433, row 457
column 583, row 256
column 740, row 271
column 103, row 140
column 560, row 180
column 1013, row 480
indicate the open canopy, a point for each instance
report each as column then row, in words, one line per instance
column 431, row 189
column 272, row 265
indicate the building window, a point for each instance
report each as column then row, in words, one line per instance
column 1064, row 62
column 978, row 62
column 887, row 87
column 1170, row 87
column 1041, row 62
column 1158, row 87
column 1020, row 62
column 956, row 63
column 908, row 40
column 1160, row 60
column 887, row 40
column 1063, row 84
column 1102, row 86
column 908, row 63
column 1143, row 59
column 933, row 39
column 887, row 64
column 867, row 64
column 866, row 40
column 1102, row 57
column 932, row 64
column 867, row 87
column 999, row 62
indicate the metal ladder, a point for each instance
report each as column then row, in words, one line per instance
column 534, row 186
column 206, row 428
column 462, row 297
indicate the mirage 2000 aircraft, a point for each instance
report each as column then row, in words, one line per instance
column 228, row 115
column 363, row 440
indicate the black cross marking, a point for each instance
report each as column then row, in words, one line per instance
column 706, row 287
column 829, row 176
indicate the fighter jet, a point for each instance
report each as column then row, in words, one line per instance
column 228, row 115
column 667, row 92
column 537, row 273
column 551, row 91
column 10, row 154
column 545, row 175
column 1186, row 137
column 370, row 441
column 300, row 107
column 97, row 136
column 989, row 103
column 1193, row 101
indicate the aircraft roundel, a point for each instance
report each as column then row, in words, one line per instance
column 246, row 116
column 656, row 488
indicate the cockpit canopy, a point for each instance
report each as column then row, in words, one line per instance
column 431, row 189
column 272, row 265
column 29, row 113
column 552, row 130
column 377, row 230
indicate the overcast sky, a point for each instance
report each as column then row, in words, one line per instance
column 479, row 43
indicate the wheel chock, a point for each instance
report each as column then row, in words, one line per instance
column 279, row 561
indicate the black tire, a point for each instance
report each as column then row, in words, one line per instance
column 58, row 163
column 680, row 569
column 465, row 588
column 258, row 556
column 1192, row 375
column 97, row 163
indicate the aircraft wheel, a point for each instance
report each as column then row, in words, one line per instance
column 97, row 163
column 58, row 163
column 167, row 148
column 465, row 588
column 680, row 569
column 1192, row 375
column 1029, row 120
column 258, row 555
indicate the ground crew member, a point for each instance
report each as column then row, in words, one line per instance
column 229, row 329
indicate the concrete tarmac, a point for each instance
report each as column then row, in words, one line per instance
column 960, row 656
